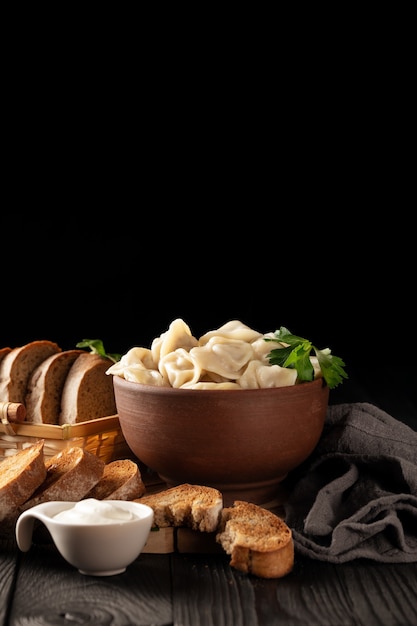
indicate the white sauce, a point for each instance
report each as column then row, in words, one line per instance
column 92, row 511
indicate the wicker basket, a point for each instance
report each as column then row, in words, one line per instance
column 102, row 436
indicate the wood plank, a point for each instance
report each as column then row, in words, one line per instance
column 160, row 541
column 9, row 557
column 216, row 594
column 50, row 591
column 360, row 593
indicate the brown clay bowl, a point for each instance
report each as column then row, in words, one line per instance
column 241, row 441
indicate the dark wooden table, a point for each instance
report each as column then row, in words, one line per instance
column 39, row 587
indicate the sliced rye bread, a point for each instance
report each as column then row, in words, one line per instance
column 258, row 541
column 17, row 366
column 20, row 475
column 196, row 506
column 121, row 480
column 88, row 391
column 44, row 390
column 70, row 474
column 3, row 352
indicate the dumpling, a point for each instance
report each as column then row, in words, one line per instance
column 209, row 385
column 138, row 366
column 138, row 374
column 231, row 330
column 318, row 372
column 262, row 348
column 225, row 357
column 178, row 335
column 258, row 375
column 134, row 358
column 178, row 368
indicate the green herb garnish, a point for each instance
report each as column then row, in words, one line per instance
column 297, row 355
column 96, row 346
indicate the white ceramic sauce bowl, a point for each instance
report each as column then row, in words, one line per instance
column 99, row 547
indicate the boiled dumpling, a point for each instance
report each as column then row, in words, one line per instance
column 178, row 335
column 258, row 375
column 136, row 360
column 225, row 357
column 179, row 368
column 231, row 330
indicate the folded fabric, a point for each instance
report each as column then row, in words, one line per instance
column 356, row 495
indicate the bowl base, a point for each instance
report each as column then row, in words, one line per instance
column 261, row 493
column 111, row 572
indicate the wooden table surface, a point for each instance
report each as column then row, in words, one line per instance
column 39, row 587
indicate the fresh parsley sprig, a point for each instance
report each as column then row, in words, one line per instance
column 297, row 355
column 97, row 346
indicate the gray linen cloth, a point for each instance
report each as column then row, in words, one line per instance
column 356, row 495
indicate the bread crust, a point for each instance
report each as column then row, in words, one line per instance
column 17, row 366
column 20, row 475
column 195, row 506
column 45, row 385
column 121, row 480
column 70, row 474
column 4, row 351
column 258, row 541
column 88, row 391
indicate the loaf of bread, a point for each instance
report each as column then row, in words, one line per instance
column 44, row 390
column 17, row 365
column 121, row 480
column 70, row 475
column 258, row 541
column 20, row 475
column 56, row 386
column 88, row 391
column 195, row 506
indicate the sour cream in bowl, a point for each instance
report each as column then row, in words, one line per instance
column 98, row 537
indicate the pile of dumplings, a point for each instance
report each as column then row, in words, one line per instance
column 233, row 356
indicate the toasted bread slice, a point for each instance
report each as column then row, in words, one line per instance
column 258, row 541
column 195, row 506
column 44, row 390
column 70, row 474
column 20, row 475
column 88, row 391
column 121, row 480
column 17, row 366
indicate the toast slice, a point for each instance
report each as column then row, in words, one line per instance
column 258, row 541
column 70, row 474
column 20, row 475
column 44, row 390
column 88, row 391
column 196, row 506
column 17, row 366
column 121, row 480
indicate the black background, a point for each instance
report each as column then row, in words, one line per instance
column 113, row 224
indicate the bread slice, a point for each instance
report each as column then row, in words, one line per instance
column 17, row 366
column 121, row 480
column 195, row 506
column 3, row 352
column 70, row 474
column 20, row 475
column 88, row 391
column 258, row 541
column 44, row 390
